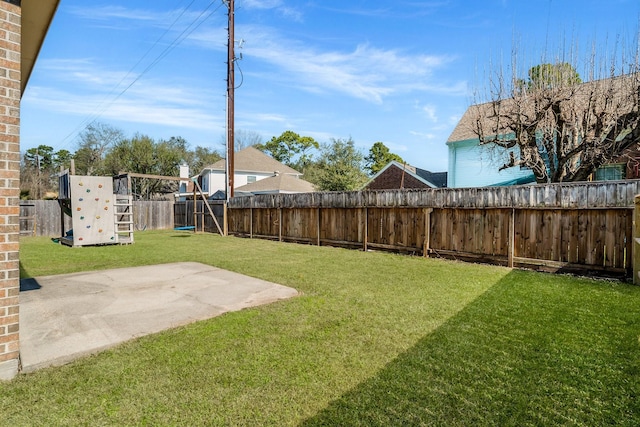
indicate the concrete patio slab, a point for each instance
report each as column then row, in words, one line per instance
column 67, row 316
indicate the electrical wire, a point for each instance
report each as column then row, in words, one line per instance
column 179, row 39
column 241, row 74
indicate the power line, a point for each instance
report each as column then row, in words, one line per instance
column 194, row 25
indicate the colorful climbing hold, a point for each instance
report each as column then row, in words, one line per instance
column 79, row 209
column 106, row 208
column 99, row 185
column 88, row 190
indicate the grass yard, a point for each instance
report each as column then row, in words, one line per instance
column 375, row 339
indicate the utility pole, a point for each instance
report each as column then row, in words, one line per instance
column 230, row 100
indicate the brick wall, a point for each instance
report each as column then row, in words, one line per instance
column 391, row 179
column 10, row 20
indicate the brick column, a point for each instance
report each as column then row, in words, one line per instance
column 10, row 21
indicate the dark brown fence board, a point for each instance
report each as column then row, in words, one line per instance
column 583, row 226
column 302, row 223
column 341, row 225
column 240, row 221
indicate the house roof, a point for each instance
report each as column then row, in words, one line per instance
column 431, row 179
column 253, row 160
column 278, row 184
column 438, row 179
column 594, row 94
column 36, row 19
column 529, row 179
column 465, row 129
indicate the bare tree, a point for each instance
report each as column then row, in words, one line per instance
column 242, row 139
column 560, row 128
column 93, row 144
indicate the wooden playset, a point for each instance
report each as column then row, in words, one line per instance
column 99, row 215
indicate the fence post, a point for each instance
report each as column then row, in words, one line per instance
column 195, row 215
column 365, row 237
column 318, row 227
column 512, row 236
column 280, row 224
column 635, row 239
column 251, row 221
column 427, row 232
column 225, row 218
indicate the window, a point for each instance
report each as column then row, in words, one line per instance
column 251, row 179
column 610, row 172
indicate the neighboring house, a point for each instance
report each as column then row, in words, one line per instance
column 276, row 184
column 475, row 165
column 250, row 165
column 626, row 166
column 396, row 176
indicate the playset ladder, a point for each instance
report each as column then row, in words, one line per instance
column 123, row 207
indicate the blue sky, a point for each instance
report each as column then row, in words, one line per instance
column 398, row 71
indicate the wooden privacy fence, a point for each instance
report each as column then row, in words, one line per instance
column 42, row 217
column 185, row 217
column 585, row 227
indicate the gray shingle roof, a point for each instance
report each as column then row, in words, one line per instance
column 253, row 160
column 278, row 184
column 438, row 179
column 592, row 94
column 435, row 179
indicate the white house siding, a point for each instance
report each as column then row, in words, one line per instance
column 475, row 165
column 214, row 180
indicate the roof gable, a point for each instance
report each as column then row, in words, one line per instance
column 278, row 184
column 429, row 179
column 251, row 159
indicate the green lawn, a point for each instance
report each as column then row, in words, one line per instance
column 374, row 339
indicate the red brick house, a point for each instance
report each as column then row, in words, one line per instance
column 396, row 176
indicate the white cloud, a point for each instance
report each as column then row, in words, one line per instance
column 131, row 109
column 261, row 4
column 104, row 13
column 424, row 135
column 393, row 147
column 87, row 89
column 366, row 72
column 114, row 14
column 278, row 5
column 119, row 17
column 430, row 112
column 270, row 118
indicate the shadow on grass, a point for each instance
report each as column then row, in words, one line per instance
column 23, row 271
column 533, row 350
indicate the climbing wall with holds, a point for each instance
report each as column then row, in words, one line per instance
column 92, row 210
